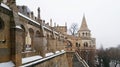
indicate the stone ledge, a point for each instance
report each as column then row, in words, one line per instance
column 43, row 59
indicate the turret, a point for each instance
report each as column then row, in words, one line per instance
column 84, row 30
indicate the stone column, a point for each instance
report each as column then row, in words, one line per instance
column 16, row 40
column 43, row 42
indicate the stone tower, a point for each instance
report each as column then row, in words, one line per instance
column 87, row 43
column 84, row 34
column 84, row 31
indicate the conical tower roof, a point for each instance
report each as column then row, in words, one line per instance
column 84, row 24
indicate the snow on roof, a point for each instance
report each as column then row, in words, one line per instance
column 28, row 18
column 7, row 64
column 19, row 27
column 57, row 52
column 30, row 59
column 62, row 50
column 5, row 6
column 43, row 59
column 49, row 54
column 33, row 21
column 47, row 28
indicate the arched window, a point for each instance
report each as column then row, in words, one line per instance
column 37, row 34
column 83, row 34
column 85, row 44
column 79, row 45
column 30, row 39
column 76, row 44
column 86, row 34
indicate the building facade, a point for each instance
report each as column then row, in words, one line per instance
column 24, row 36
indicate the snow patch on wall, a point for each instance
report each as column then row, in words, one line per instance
column 5, row 6
column 30, row 59
column 49, row 54
column 7, row 64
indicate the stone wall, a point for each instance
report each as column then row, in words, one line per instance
column 15, row 31
column 59, row 61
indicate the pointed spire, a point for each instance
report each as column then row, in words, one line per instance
column 84, row 24
column 39, row 13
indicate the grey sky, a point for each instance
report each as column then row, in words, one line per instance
column 102, row 16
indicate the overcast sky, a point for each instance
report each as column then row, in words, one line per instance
column 102, row 16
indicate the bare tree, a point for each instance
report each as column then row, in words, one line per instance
column 108, row 55
column 73, row 29
column 114, row 54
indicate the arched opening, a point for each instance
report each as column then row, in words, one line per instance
column 37, row 34
column 77, row 44
column 31, row 33
column 69, row 45
column 83, row 34
column 37, row 43
column 23, row 37
column 85, row 44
